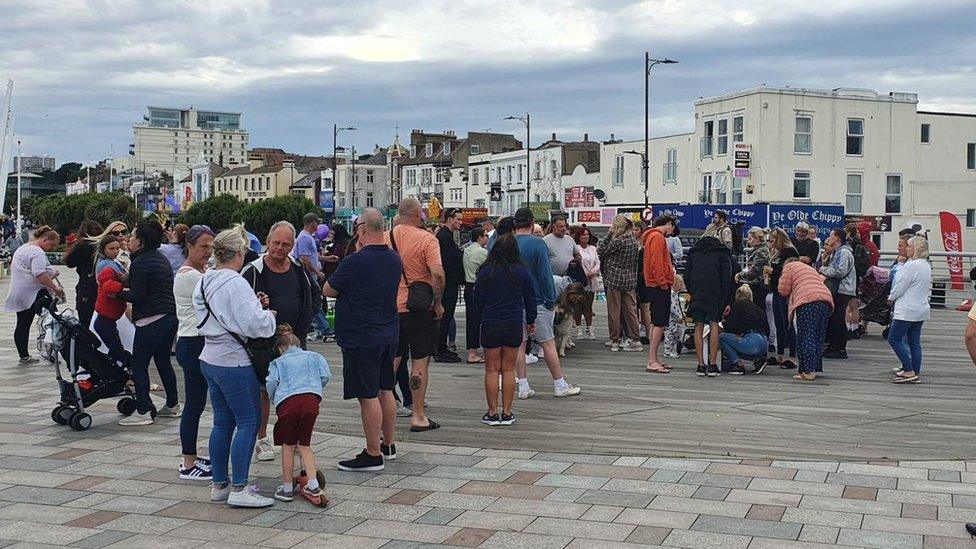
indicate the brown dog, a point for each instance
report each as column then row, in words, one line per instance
column 568, row 305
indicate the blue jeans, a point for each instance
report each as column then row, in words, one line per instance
column 108, row 332
column 195, row 391
column 751, row 345
column 236, row 400
column 154, row 342
column 785, row 335
column 321, row 323
column 905, row 338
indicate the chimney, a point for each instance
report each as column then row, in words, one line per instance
column 553, row 136
column 586, row 137
column 611, row 137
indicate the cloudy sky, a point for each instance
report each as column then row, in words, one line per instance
column 85, row 70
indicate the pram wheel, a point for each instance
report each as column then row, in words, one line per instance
column 80, row 421
column 126, row 406
column 61, row 414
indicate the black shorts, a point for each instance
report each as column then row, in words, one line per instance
column 660, row 302
column 501, row 334
column 418, row 335
column 366, row 371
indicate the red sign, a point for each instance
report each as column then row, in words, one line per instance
column 952, row 242
column 588, row 216
column 470, row 216
column 579, row 197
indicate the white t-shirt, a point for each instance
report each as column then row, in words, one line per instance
column 184, row 283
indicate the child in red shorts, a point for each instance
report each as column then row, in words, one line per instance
column 295, row 382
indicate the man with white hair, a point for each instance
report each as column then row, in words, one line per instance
column 807, row 248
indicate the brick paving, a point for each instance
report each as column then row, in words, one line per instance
column 118, row 487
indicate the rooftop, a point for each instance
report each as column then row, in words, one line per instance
column 863, row 94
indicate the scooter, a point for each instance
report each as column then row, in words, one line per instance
column 302, row 480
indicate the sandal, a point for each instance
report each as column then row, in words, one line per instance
column 155, row 387
column 431, row 425
column 803, row 377
column 661, row 368
column 479, row 361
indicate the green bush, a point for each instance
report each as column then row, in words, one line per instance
column 260, row 216
column 65, row 213
column 217, row 212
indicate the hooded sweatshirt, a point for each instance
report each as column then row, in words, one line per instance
column 235, row 309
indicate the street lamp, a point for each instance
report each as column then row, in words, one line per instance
column 335, row 161
column 528, row 127
column 648, row 65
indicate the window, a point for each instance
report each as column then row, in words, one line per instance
column 971, row 156
column 508, row 176
column 854, row 192
column 926, row 128
column 355, row 200
column 538, row 170
column 474, row 177
column 487, row 177
column 737, row 129
column 553, row 174
column 475, row 148
column 737, row 190
column 369, row 176
column 618, row 171
column 855, row 137
column 801, row 185
column 706, row 140
column 802, row 138
column 498, row 174
column 671, row 167
column 429, row 149
column 520, row 176
column 425, row 176
column 412, row 177
column 970, row 218
column 479, row 202
column 893, row 194
column 413, row 151
column 723, row 136
column 705, row 194
column 447, row 148
column 720, row 192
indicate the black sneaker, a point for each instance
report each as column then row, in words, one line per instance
column 700, row 372
column 491, row 419
column 388, row 451
column 362, row 462
column 788, row 364
column 737, row 370
column 835, row 354
column 759, row 365
column 507, row 419
column 713, row 371
column 447, row 358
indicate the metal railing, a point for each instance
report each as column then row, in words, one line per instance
column 944, row 292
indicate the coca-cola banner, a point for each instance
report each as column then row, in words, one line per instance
column 952, row 241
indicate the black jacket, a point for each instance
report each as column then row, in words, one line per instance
column 745, row 316
column 708, row 276
column 81, row 258
column 150, row 285
column 311, row 291
column 452, row 258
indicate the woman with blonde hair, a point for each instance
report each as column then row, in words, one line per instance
column 780, row 249
column 757, row 258
column 745, row 333
column 618, row 253
column 910, row 293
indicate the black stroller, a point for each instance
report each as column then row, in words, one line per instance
column 92, row 375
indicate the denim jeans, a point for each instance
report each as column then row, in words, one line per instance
column 905, row 338
column 108, row 332
column 154, row 342
column 236, row 400
column 751, row 345
column 403, row 382
column 321, row 323
column 785, row 334
column 195, row 391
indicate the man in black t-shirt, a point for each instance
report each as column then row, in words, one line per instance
column 808, row 249
column 453, row 263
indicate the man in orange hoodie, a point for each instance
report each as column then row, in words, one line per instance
column 658, row 272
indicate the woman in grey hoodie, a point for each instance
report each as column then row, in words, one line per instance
column 229, row 313
column 841, row 278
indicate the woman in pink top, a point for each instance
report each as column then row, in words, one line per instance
column 590, row 262
column 810, row 305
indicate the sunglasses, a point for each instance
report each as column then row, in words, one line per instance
column 118, row 233
column 358, row 224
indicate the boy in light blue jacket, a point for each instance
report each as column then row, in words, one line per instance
column 295, row 382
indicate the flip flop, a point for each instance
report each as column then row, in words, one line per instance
column 431, row 425
column 155, row 387
column 653, row 371
column 479, row 361
column 801, row 377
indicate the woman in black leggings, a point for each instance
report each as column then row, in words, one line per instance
column 31, row 275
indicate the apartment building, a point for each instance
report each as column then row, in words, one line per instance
column 255, row 181
column 171, row 139
column 34, row 164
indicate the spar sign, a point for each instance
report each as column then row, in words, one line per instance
column 822, row 216
column 952, row 242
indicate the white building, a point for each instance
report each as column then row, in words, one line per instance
column 171, row 138
column 875, row 154
column 363, row 183
column 34, row 164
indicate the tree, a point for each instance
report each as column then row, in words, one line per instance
column 217, row 212
column 69, row 172
column 260, row 216
column 65, row 213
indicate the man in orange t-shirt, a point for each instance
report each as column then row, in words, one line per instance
column 421, row 256
column 658, row 278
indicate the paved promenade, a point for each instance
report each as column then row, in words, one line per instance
column 637, row 460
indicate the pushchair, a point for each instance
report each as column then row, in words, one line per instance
column 91, row 374
column 874, row 289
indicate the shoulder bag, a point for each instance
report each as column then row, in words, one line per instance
column 260, row 351
column 420, row 294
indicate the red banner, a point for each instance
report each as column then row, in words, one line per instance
column 952, row 242
column 588, row 216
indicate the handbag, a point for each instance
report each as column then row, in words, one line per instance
column 833, row 284
column 420, row 294
column 260, row 351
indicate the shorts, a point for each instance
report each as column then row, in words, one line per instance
column 367, row 370
column 659, row 300
column 296, row 419
column 545, row 321
column 501, row 334
column 704, row 317
column 418, row 335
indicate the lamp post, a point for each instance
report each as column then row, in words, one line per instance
column 527, row 120
column 648, row 65
column 335, row 161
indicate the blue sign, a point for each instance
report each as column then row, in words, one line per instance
column 325, row 200
column 822, row 216
column 172, row 203
column 684, row 213
column 698, row 216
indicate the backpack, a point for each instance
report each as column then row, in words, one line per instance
column 736, row 229
column 862, row 258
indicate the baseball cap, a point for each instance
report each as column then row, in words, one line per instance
column 523, row 218
column 310, row 217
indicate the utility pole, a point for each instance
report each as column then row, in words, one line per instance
column 20, row 161
column 527, row 120
column 335, row 161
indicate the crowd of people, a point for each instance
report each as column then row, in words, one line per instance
column 240, row 314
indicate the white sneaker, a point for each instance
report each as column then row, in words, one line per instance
column 589, row 333
column 525, row 393
column 137, row 419
column 220, row 494
column 632, row 347
column 897, row 369
column 614, row 346
column 531, row 359
column 671, row 354
column 166, row 411
column 249, row 497
column 264, row 450
column 580, row 332
column 566, row 391
column 403, row 411
column 608, row 343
